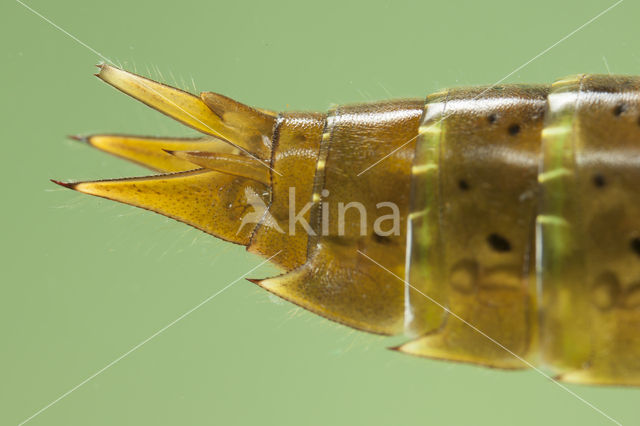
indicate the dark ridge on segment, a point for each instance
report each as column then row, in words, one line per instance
column 514, row 129
column 499, row 243
column 635, row 245
column 492, row 118
column 463, row 185
column 599, row 181
column 619, row 109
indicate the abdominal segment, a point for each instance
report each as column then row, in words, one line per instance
column 524, row 229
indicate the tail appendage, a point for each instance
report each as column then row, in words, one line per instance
column 262, row 180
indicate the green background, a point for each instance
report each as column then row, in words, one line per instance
column 84, row 280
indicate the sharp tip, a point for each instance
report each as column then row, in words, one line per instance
column 254, row 280
column 79, row 138
column 103, row 69
column 395, row 348
column 69, row 185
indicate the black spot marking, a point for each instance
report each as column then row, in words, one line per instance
column 635, row 245
column 463, row 185
column 619, row 109
column 492, row 118
column 514, row 129
column 499, row 243
column 599, row 181
column 382, row 239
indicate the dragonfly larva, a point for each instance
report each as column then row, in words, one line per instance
column 492, row 225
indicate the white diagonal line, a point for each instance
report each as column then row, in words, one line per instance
column 527, row 363
column 389, row 154
column 507, row 76
column 554, row 44
column 146, row 86
column 136, row 347
column 62, row 30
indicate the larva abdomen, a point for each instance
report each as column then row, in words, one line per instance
column 497, row 226
column 531, row 220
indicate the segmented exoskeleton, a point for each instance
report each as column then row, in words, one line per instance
column 512, row 229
